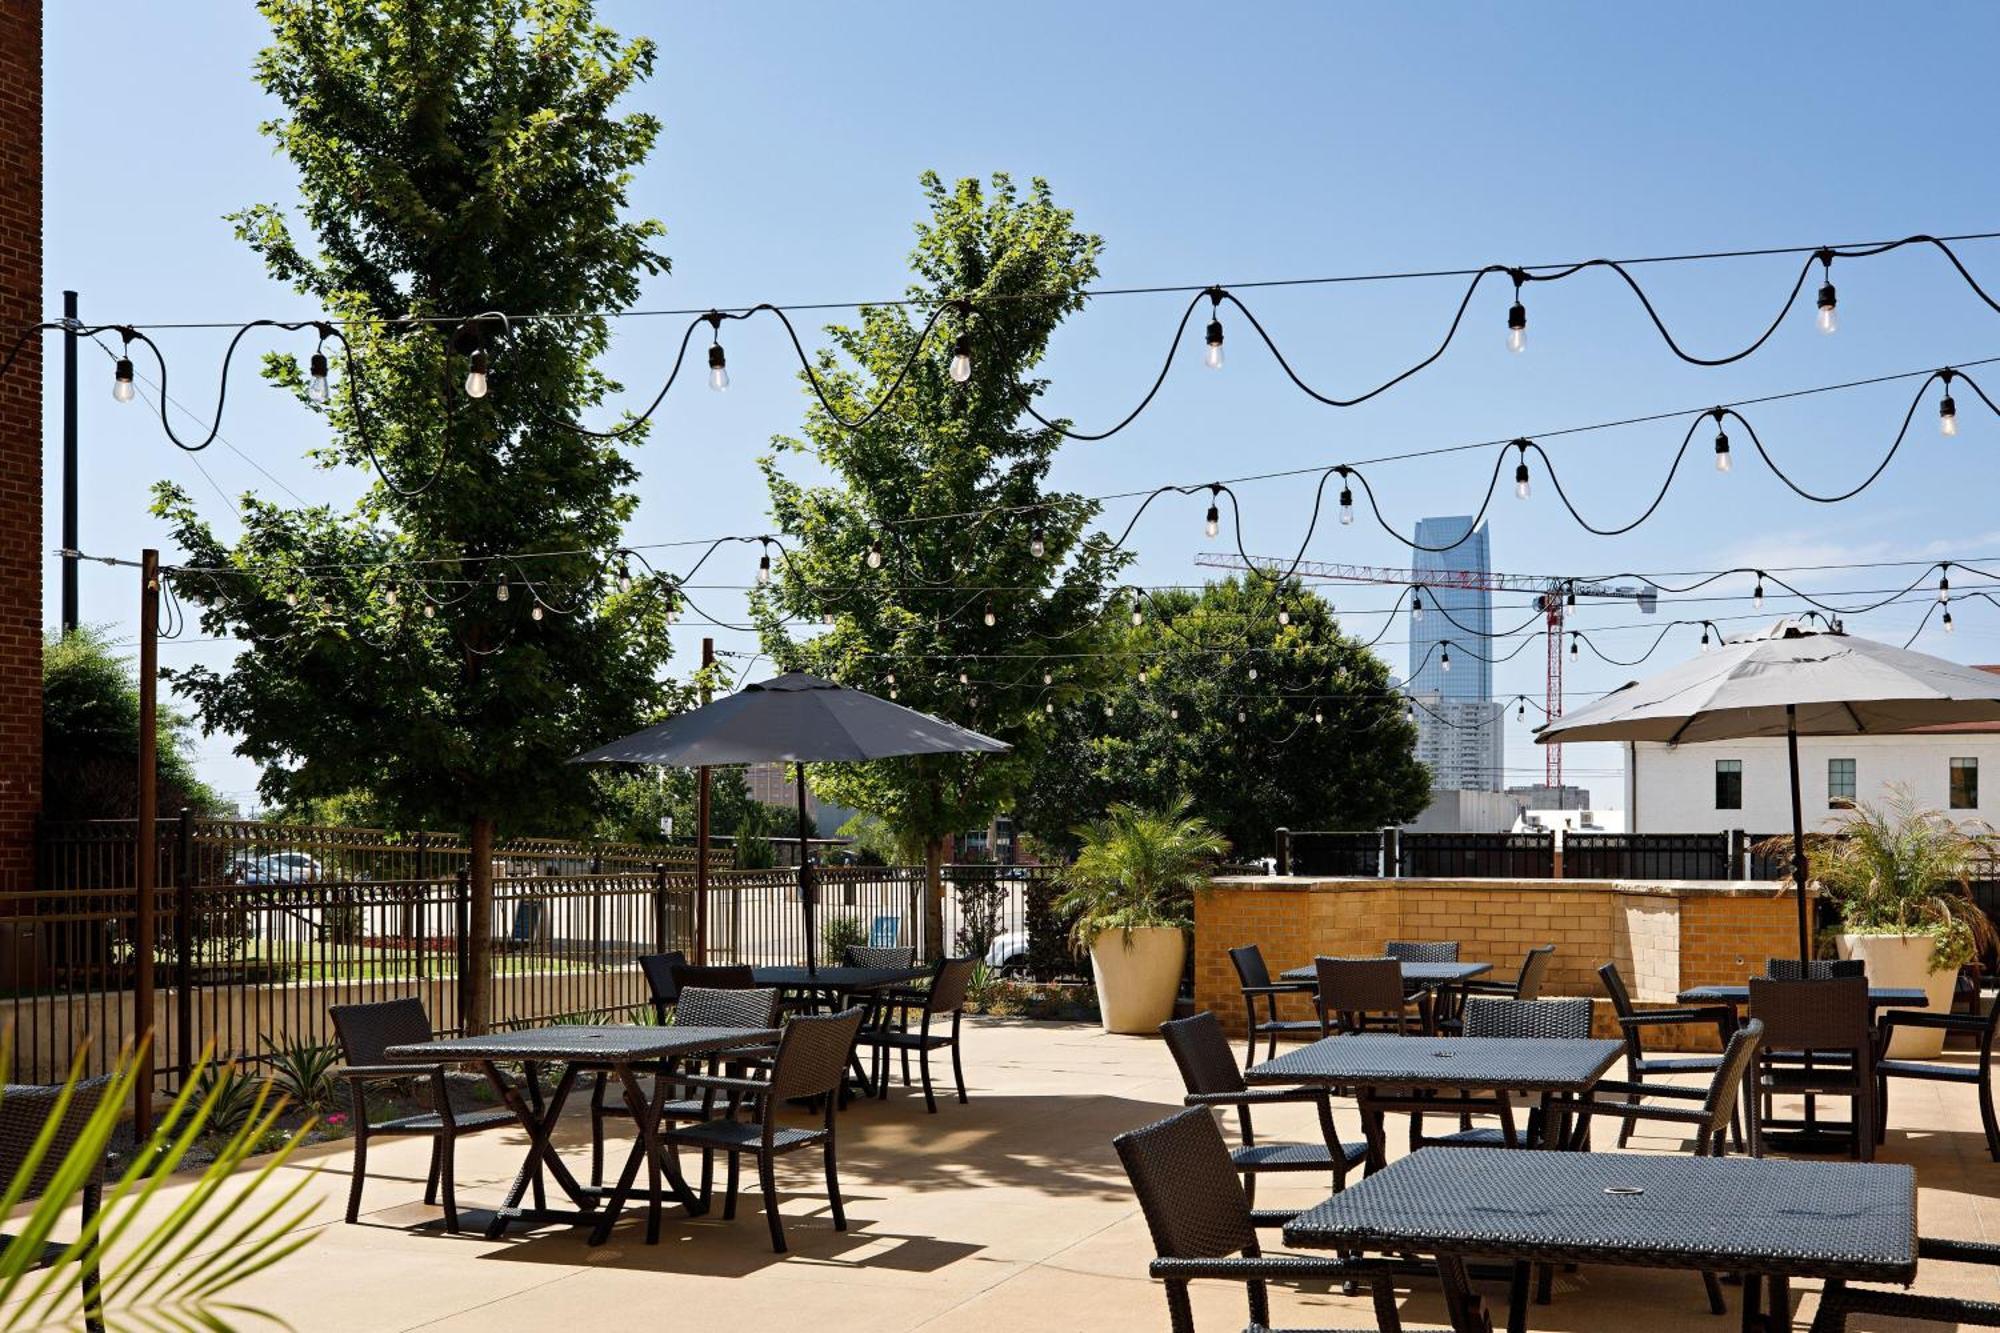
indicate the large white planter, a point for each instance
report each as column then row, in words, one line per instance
column 1138, row 975
column 1905, row 960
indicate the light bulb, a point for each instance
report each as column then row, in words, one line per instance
column 961, row 359
column 1048, row 678
column 1947, row 622
column 1521, row 481
column 1704, row 639
column 500, row 590
column 1036, row 546
column 1049, row 708
column 1174, row 714
column 718, row 368
column 1138, row 615
column 1444, row 662
column 892, row 693
column 1213, row 524
column 990, row 618
column 1107, row 710
column 1829, row 318
column 1212, row 358
column 1944, row 587
column 1517, row 327
column 122, row 388
column 1284, row 616
column 1142, row 675
column 316, row 378
column 1253, row 673
column 1318, row 717
column 1346, row 507
column 1721, row 452
column 889, row 679
column 764, row 567
column 475, row 377
column 291, row 599
column 537, row 612
column 874, row 556
column 1409, row 712
column 1947, row 417
column 1757, row 595
column 1572, row 643
column 624, row 577
column 1416, row 606
column 1241, row 716
column 390, row 596
column 430, row 611
column 1521, row 712
column 964, row 679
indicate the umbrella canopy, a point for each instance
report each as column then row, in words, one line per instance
column 1789, row 681
column 799, row 719
column 796, row 718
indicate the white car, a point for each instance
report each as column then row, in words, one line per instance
column 277, row 868
column 1008, row 954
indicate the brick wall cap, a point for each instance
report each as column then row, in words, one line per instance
column 1660, row 888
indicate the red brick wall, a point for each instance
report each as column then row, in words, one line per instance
column 20, row 439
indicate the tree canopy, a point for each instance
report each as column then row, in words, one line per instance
column 90, row 737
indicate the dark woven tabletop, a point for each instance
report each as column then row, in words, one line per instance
column 629, row 1043
column 837, row 978
column 1426, row 974
column 1369, row 1060
column 1891, row 997
column 1741, row 1214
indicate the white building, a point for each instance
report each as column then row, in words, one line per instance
column 1720, row 785
column 1461, row 741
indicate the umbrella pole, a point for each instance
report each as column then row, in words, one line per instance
column 1798, row 831
column 807, row 893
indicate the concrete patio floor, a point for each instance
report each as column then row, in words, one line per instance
column 1010, row 1212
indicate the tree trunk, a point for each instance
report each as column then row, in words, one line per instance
column 934, row 853
column 477, row 985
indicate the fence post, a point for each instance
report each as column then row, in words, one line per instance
column 183, row 945
column 659, row 907
column 463, row 910
column 1736, row 853
column 1556, row 848
column 1284, row 845
column 1392, row 853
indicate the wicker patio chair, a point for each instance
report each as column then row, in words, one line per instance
column 1817, row 969
column 943, row 998
column 1208, row 1069
column 1643, row 1071
column 365, row 1031
column 1839, row 1300
column 1254, row 978
column 713, row 976
column 1817, row 1042
column 1203, row 1226
column 1361, row 995
column 695, row 1007
column 25, row 1109
column 1485, row 1016
column 876, row 955
column 1980, row 1026
column 1526, row 985
column 811, row 1063
column 1424, row 951
column 661, row 988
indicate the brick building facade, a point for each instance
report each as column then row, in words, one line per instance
column 20, row 439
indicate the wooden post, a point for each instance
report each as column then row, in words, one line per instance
column 701, row 817
column 146, row 841
column 463, row 911
column 1284, row 851
column 183, row 947
column 1392, row 853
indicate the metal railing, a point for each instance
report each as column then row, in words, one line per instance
column 1394, row 853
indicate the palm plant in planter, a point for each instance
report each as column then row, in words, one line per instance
column 1900, row 877
column 1131, row 889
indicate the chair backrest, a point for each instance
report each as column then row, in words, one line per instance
column 1828, row 1015
column 1422, row 951
column 1202, row 1052
column 870, row 955
column 658, row 969
column 1562, row 1020
column 949, row 983
column 1248, row 960
column 1188, row 1189
column 1727, row 1082
column 703, row 1008
column 812, row 1056
column 884, row 931
column 731, row 976
column 1614, row 986
column 1817, row 969
column 25, row 1109
column 367, row 1030
column 1534, row 970
column 1360, row 985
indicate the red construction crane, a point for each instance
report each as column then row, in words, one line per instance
column 1552, row 596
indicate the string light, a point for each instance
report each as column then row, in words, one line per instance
column 1138, row 612
column 1049, row 708
column 1572, row 643
column 1241, row 716
column 1721, row 444
column 1947, row 408
column 764, row 563
column 537, row 611
column 1048, row 678
column 430, row 611
column 1521, row 471
column 961, row 359
column 718, row 363
column 1416, row 604
column 1037, row 545
column 316, row 377
column 624, row 575
column 1944, row 582
column 1757, row 593
column 1517, row 316
column 1174, row 713
column 501, row 592
column 874, row 556
column 963, row 678
column 1284, row 616
column 1829, row 319
column 1346, row 501
column 1318, row 717
column 1212, row 357
column 990, row 618
column 475, row 375
column 1213, row 523
column 1444, row 660
column 1948, row 627
column 1704, row 636
column 122, row 388
column 1253, row 673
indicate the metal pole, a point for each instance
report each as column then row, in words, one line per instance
column 70, row 538
column 808, row 892
column 1798, row 830
column 183, row 947
column 701, row 818
column 146, row 839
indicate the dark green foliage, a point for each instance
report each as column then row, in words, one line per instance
column 90, row 737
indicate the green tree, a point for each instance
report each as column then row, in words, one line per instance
column 90, row 737
column 1316, row 740
column 907, row 485
column 453, row 157
column 631, row 803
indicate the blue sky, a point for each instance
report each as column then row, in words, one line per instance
column 1205, row 143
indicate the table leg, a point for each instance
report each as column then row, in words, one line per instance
column 1517, row 1297
column 541, row 1147
column 649, row 1148
column 1463, row 1306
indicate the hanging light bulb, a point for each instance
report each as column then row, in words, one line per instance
column 389, row 596
column 1829, row 319
column 292, row 598
column 1241, row 716
column 1174, row 713
column 1048, row 678
column 1572, row 643
column 1212, row 358
column 991, row 619
column 1107, row 708
column 1947, row 409
column 718, row 367
column 1318, row 717
column 537, row 612
column 961, row 359
column 1346, row 505
column 1409, row 711
column 1704, row 637
column 1569, row 594
column 501, row 592
column 1521, row 711
column 1517, row 322
column 764, row 564
column 1416, row 604
column 1444, row 662
column 963, row 679
column 890, row 678
column 1947, row 621
column 1521, row 474
column 1757, row 593
column 1253, row 673
column 1037, row 547
column 122, row 388
column 874, row 556
column 475, row 375
column 1721, row 445
column 1944, row 582
column 1284, row 616
column 1049, row 708
column 892, row 691
column 1142, row 675
column 1213, row 523
column 430, row 611
column 1138, row 613
column 624, row 576
column 316, row 377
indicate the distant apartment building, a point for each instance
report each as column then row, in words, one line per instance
column 1461, row 732
column 1541, row 796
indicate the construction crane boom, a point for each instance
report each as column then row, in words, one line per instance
column 1554, row 594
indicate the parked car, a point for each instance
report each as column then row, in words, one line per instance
column 274, row 868
column 1008, row 954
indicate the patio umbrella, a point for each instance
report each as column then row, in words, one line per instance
column 1788, row 681
column 799, row 719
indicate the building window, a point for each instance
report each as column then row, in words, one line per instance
column 1729, row 784
column 1840, row 784
column 1965, row 784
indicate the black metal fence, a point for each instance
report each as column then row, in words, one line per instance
column 1392, row 853
column 1651, row 856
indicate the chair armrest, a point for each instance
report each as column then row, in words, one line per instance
column 1279, row 988
column 390, row 1071
column 1662, row 1017
column 1255, row 1097
column 1920, row 1018
column 1503, row 988
column 1243, row 1268
column 1957, row 1251
column 1272, row 1217
column 1641, row 1111
column 755, row 1087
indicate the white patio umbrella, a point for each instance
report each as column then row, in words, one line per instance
column 1788, row 681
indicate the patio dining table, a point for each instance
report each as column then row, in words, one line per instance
column 1386, row 1072
column 842, row 984
column 1427, row 979
column 626, row 1053
column 1879, row 997
column 1768, row 1219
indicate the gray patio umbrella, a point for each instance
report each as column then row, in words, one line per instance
column 1788, row 681
column 793, row 718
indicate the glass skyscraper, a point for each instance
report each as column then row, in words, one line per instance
column 1460, row 730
